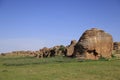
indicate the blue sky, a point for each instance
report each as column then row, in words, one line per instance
column 33, row 24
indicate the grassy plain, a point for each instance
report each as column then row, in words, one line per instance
column 57, row 68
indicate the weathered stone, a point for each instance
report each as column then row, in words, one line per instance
column 70, row 48
column 93, row 44
column 116, row 49
column 45, row 51
column 50, row 52
column 59, row 50
column 116, row 46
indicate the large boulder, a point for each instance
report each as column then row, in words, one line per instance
column 70, row 48
column 93, row 44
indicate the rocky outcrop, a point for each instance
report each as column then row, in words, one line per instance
column 70, row 48
column 116, row 46
column 93, row 44
column 42, row 53
column 50, row 52
column 116, row 50
column 19, row 53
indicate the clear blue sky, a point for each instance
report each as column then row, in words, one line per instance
column 33, row 24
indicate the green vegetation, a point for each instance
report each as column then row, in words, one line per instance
column 58, row 68
column 62, row 48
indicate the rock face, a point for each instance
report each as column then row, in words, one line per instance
column 70, row 48
column 116, row 49
column 93, row 44
column 116, row 46
column 50, row 52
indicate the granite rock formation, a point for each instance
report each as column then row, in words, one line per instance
column 116, row 46
column 70, row 48
column 94, row 44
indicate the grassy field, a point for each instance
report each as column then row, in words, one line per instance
column 58, row 68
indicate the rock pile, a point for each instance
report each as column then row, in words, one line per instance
column 50, row 52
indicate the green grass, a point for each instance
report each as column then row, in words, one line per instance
column 58, row 68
